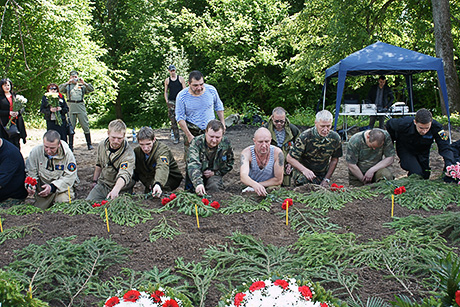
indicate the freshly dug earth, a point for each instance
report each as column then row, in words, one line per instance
column 363, row 218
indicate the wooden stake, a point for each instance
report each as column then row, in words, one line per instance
column 107, row 219
column 392, row 204
column 197, row 219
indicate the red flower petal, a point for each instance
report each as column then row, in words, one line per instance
column 165, row 200
column 104, row 202
column 205, row 201
column 402, row 189
column 239, row 297
column 257, row 286
column 306, row 292
column 112, row 301
column 215, row 205
column 131, row 296
column 172, row 196
column 324, row 305
column 282, row 283
column 457, row 297
column 170, row 303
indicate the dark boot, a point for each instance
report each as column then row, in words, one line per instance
column 70, row 142
column 88, row 141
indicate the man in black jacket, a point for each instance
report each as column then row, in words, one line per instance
column 414, row 137
column 382, row 96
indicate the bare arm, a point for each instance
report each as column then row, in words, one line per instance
column 188, row 134
column 354, row 169
column 220, row 114
column 298, row 166
column 166, row 89
column 182, row 81
column 244, row 173
column 97, row 173
column 330, row 171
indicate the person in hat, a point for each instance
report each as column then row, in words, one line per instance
column 173, row 85
column 75, row 89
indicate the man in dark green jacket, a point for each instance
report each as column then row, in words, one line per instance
column 156, row 167
column 284, row 135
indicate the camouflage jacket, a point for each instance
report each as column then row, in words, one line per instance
column 198, row 159
column 365, row 157
column 314, row 151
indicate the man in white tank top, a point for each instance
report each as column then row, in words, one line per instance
column 262, row 164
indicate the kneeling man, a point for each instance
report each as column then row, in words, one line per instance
column 262, row 164
column 53, row 165
column 210, row 157
column 365, row 151
column 156, row 167
column 316, row 152
column 114, row 164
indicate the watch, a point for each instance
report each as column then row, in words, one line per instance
column 327, row 180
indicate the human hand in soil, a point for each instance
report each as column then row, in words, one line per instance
column 208, row 173
column 200, row 190
column 260, row 189
column 309, row 174
column 324, row 184
column 46, row 190
column 112, row 195
column 156, row 191
column 367, row 178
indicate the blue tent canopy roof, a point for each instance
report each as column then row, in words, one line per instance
column 384, row 59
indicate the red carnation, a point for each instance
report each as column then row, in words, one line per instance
column 165, row 200
column 287, row 201
column 324, row 305
column 239, row 297
column 104, row 202
column 170, row 303
column 306, row 292
column 96, row 205
column 257, row 286
column 112, row 301
column 457, row 297
column 402, row 189
column 156, row 296
column 205, row 201
column 131, row 296
column 31, row 181
column 215, row 205
column 282, row 283
column 172, row 196
column 334, row 187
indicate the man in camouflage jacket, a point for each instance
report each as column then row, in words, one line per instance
column 316, row 152
column 210, row 157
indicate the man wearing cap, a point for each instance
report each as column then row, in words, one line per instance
column 53, row 165
column 174, row 83
column 75, row 89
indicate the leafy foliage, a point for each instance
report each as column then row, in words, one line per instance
column 421, row 194
column 240, row 204
column 126, row 210
column 22, row 209
column 59, row 270
column 76, row 207
column 446, row 224
column 18, row 232
column 185, row 202
column 309, row 221
column 11, row 293
column 163, row 230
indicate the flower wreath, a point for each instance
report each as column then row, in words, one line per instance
column 280, row 292
column 154, row 297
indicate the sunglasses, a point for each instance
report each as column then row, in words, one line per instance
column 53, row 88
column 279, row 121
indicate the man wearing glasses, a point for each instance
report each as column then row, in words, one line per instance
column 283, row 135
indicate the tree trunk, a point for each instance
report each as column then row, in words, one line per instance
column 444, row 49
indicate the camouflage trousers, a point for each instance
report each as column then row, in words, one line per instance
column 172, row 117
column 299, row 179
column 381, row 174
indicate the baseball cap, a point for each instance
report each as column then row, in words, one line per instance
column 74, row 73
column 172, row 67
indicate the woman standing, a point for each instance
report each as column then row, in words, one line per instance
column 51, row 112
column 7, row 97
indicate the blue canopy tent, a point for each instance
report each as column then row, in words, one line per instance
column 385, row 59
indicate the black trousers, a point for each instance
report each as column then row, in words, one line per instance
column 415, row 163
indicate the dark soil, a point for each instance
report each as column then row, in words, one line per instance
column 364, row 218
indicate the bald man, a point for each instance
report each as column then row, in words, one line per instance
column 262, row 164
